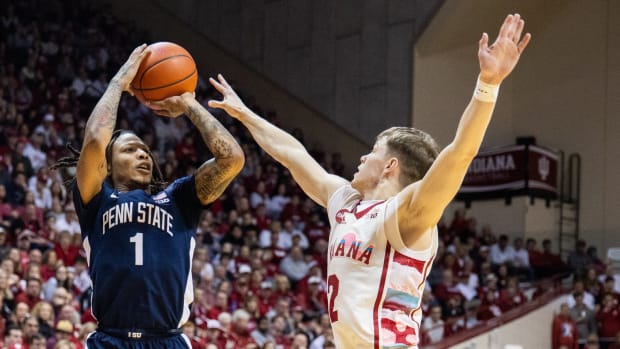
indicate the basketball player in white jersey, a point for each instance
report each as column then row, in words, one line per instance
column 383, row 223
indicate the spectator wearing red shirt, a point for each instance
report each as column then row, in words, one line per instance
column 608, row 317
column 200, row 308
column 316, row 229
column 447, row 288
column 564, row 330
column 490, row 307
column 511, row 297
column 32, row 295
column 189, row 329
column 312, row 298
column 220, row 306
column 239, row 330
column 65, row 250
column 278, row 327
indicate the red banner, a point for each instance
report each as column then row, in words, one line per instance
column 512, row 170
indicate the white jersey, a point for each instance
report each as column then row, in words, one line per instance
column 375, row 282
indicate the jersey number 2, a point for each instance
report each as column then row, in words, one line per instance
column 332, row 287
column 137, row 239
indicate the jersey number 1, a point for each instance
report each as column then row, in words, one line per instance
column 137, row 239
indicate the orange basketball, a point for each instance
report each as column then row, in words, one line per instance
column 167, row 70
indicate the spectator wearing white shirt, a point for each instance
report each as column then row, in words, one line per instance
column 579, row 288
column 284, row 240
column 50, row 134
column 501, row 252
column 259, row 195
column 433, row 326
column 521, row 260
column 468, row 282
column 294, row 265
column 32, row 150
column 289, row 228
column 68, row 221
column 277, row 202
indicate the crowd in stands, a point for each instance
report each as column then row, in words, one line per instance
column 591, row 314
column 260, row 263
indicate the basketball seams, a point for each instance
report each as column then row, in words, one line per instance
column 170, row 70
column 166, row 85
column 159, row 62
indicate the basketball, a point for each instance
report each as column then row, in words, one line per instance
column 167, row 70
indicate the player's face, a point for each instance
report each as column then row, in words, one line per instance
column 132, row 166
column 371, row 167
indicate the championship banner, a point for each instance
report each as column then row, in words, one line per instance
column 512, row 170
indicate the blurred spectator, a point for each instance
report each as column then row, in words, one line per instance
column 501, row 252
column 240, row 334
column 521, row 261
column 564, row 330
column 294, row 265
column 584, row 317
column 13, row 337
column 68, row 221
column 65, row 250
column 608, row 318
column 592, row 285
column 511, row 297
column 44, row 314
column 545, row 263
column 587, row 298
column 490, row 307
column 579, row 260
column 37, row 341
column 30, row 329
column 47, row 129
column 592, row 342
column 433, row 326
column 610, row 273
column 32, row 295
column 33, row 150
column 447, row 288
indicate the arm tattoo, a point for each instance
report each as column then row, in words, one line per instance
column 213, row 176
column 103, row 116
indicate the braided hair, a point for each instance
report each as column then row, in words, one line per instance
column 157, row 179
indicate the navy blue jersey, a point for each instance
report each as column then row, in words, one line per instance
column 139, row 249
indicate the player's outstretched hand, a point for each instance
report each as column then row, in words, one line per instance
column 173, row 106
column 499, row 59
column 231, row 103
column 128, row 71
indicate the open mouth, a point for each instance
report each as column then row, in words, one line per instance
column 144, row 168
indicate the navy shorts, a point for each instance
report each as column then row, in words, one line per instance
column 100, row 340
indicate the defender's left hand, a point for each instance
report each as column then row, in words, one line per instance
column 499, row 59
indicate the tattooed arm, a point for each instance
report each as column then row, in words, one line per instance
column 214, row 175
column 92, row 167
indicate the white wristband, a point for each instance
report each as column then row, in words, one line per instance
column 486, row 92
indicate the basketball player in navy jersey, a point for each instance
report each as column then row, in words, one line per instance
column 383, row 237
column 138, row 234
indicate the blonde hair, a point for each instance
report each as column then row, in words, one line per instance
column 415, row 150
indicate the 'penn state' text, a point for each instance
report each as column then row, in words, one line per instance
column 146, row 213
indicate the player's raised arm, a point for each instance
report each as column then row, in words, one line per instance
column 423, row 202
column 92, row 167
column 213, row 176
column 284, row 148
